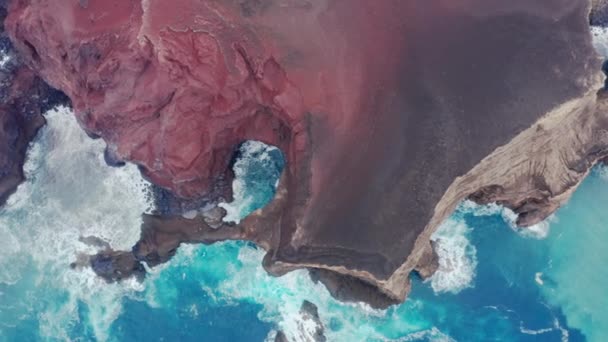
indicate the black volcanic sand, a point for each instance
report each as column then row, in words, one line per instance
column 472, row 77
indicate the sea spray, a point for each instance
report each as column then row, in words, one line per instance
column 222, row 292
column 457, row 257
column 69, row 193
column 257, row 169
column 231, row 273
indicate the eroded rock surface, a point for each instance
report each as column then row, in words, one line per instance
column 308, row 328
column 389, row 113
column 23, row 99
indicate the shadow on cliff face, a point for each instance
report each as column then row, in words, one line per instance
column 257, row 168
column 23, row 99
column 376, row 121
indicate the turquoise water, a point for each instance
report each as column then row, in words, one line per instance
column 496, row 283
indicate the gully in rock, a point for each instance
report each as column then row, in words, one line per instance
column 403, row 110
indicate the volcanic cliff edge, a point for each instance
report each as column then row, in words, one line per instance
column 389, row 114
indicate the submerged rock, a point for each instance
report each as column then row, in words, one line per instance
column 402, row 110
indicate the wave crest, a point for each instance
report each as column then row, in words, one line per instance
column 457, row 257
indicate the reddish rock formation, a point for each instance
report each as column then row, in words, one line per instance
column 23, row 98
column 378, row 105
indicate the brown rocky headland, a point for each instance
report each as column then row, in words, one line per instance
column 389, row 113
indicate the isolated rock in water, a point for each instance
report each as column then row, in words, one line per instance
column 388, row 112
column 312, row 322
column 116, row 266
column 308, row 328
column 280, row 337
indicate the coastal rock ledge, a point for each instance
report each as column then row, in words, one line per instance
column 389, row 113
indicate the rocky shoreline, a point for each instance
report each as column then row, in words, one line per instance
column 515, row 121
column 23, row 99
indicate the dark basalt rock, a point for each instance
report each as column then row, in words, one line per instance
column 599, row 13
column 309, row 311
column 350, row 289
column 431, row 90
column 23, row 99
column 116, row 266
column 111, row 159
column 280, row 337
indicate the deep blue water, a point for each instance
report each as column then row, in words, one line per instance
column 496, row 283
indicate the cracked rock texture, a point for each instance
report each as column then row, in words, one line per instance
column 389, row 113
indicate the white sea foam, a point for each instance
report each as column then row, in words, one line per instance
column 538, row 278
column 537, row 231
column 565, row 336
column 433, row 334
column 243, row 199
column 241, row 277
column 600, row 40
column 564, row 331
column 602, row 171
column 5, row 58
column 470, row 207
column 69, row 193
column 281, row 297
column 457, row 257
column 526, row 331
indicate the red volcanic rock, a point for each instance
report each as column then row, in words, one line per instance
column 23, row 99
column 378, row 105
column 167, row 88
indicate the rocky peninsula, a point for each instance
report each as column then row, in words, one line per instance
column 389, row 113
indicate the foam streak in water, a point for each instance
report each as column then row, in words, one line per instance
column 457, row 257
column 69, row 193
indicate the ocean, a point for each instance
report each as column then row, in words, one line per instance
column 496, row 282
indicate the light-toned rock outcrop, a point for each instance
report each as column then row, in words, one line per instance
column 389, row 113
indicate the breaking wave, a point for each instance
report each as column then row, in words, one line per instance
column 556, row 327
column 537, row 231
column 69, row 193
column 433, row 334
column 601, row 171
column 255, row 165
column 599, row 37
column 457, row 257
